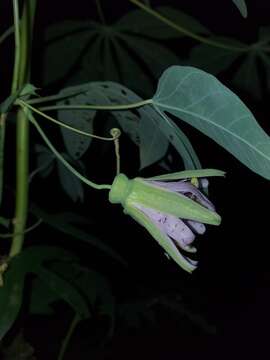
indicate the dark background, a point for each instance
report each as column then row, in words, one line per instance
column 231, row 286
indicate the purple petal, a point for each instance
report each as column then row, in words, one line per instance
column 185, row 187
column 157, row 218
column 198, row 227
column 178, row 230
column 172, row 226
column 204, row 183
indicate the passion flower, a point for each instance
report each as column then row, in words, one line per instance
column 173, row 212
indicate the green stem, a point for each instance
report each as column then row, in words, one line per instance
column 23, row 33
column 16, row 68
column 21, row 183
column 27, row 23
column 64, row 162
column 67, row 338
column 188, row 32
column 98, row 107
column 100, row 12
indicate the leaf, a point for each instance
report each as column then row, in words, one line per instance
column 66, row 41
column 130, row 68
column 264, row 34
column 140, row 125
column 91, row 285
column 266, row 62
column 180, row 309
column 70, row 183
column 97, row 52
column 202, row 101
column 27, row 91
column 18, row 348
column 45, row 160
column 247, row 76
column 2, row 148
column 65, row 291
column 75, row 143
column 64, row 224
column 88, row 282
column 5, row 222
column 24, row 92
column 136, row 314
column 10, row 297
column 242, row 7
column 11, row 293
column 41, row 298
column 180, row 142
column 212, row 59
column 140, row 22
column 155, row 56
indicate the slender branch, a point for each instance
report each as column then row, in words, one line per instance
column 100, row 12
column 31, row 228
column 74, row 323
column 6, row 34
column 188, row 32
column 60, row 157
column 98, row 107
column 25, row 104
column 52, row 98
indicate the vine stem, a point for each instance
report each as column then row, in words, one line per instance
column 21, row 74
column 98, row 107
column 115, row 132
column 6, row 34
column 33, row 227
column 74, row 323
column 21, row 208
column 26, row 105
column 188, row 32
column 60, row 157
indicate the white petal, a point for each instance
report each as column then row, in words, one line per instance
column 179, row 231
column 197, row 226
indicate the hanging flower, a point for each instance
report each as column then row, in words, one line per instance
column 172, row 211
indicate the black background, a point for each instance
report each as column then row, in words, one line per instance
column 232, row 285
